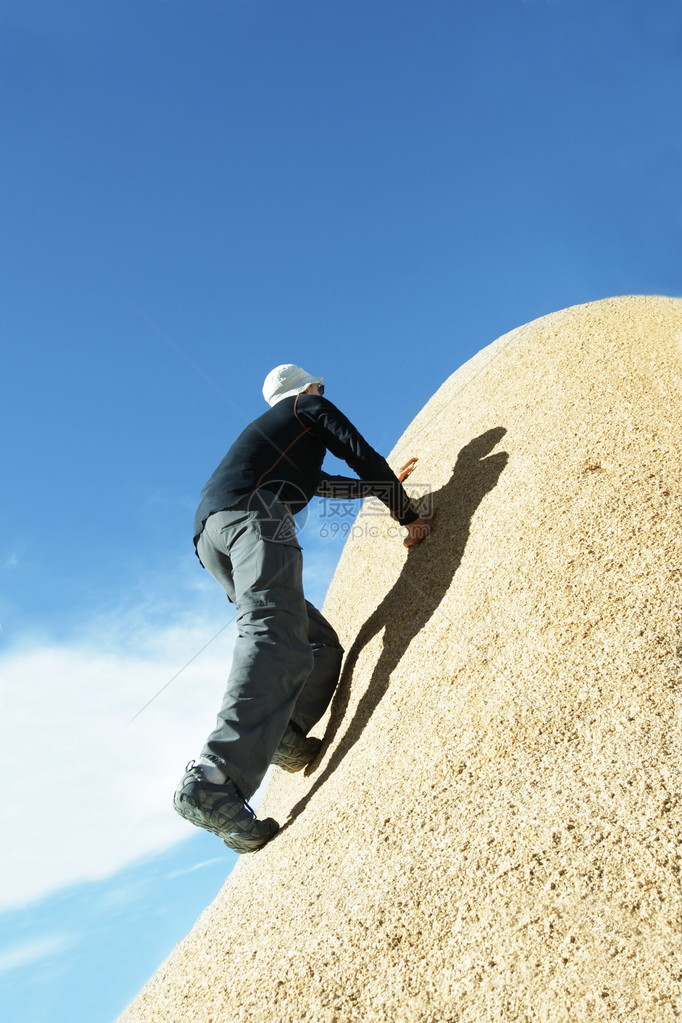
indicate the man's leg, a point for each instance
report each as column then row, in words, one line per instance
column 295, row 751
column 272, row 655
column 320, row 684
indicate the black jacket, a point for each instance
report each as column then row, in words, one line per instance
column 283, row 451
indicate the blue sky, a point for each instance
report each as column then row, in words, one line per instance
column 374, row 189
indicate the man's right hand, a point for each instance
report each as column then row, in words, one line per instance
column 418, row 530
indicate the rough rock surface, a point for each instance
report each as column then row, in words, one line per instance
column 489, row 834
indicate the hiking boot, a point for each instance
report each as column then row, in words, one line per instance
column 221, row 809
column 295, row 751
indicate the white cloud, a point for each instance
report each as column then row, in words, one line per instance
column 30, row 951
column 196, row 866
column 85, row 792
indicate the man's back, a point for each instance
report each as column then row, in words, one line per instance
column 283, row 450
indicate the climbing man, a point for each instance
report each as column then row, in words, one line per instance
column 287, row 657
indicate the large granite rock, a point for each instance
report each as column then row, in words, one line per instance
column 489, row 835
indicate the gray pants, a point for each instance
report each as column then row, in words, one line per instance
column 287, row 658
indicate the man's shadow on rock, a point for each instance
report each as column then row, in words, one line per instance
column 423, row 582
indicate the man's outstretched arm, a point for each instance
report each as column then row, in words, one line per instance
column 346, row 442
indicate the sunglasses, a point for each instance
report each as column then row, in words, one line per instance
column 320, row 388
